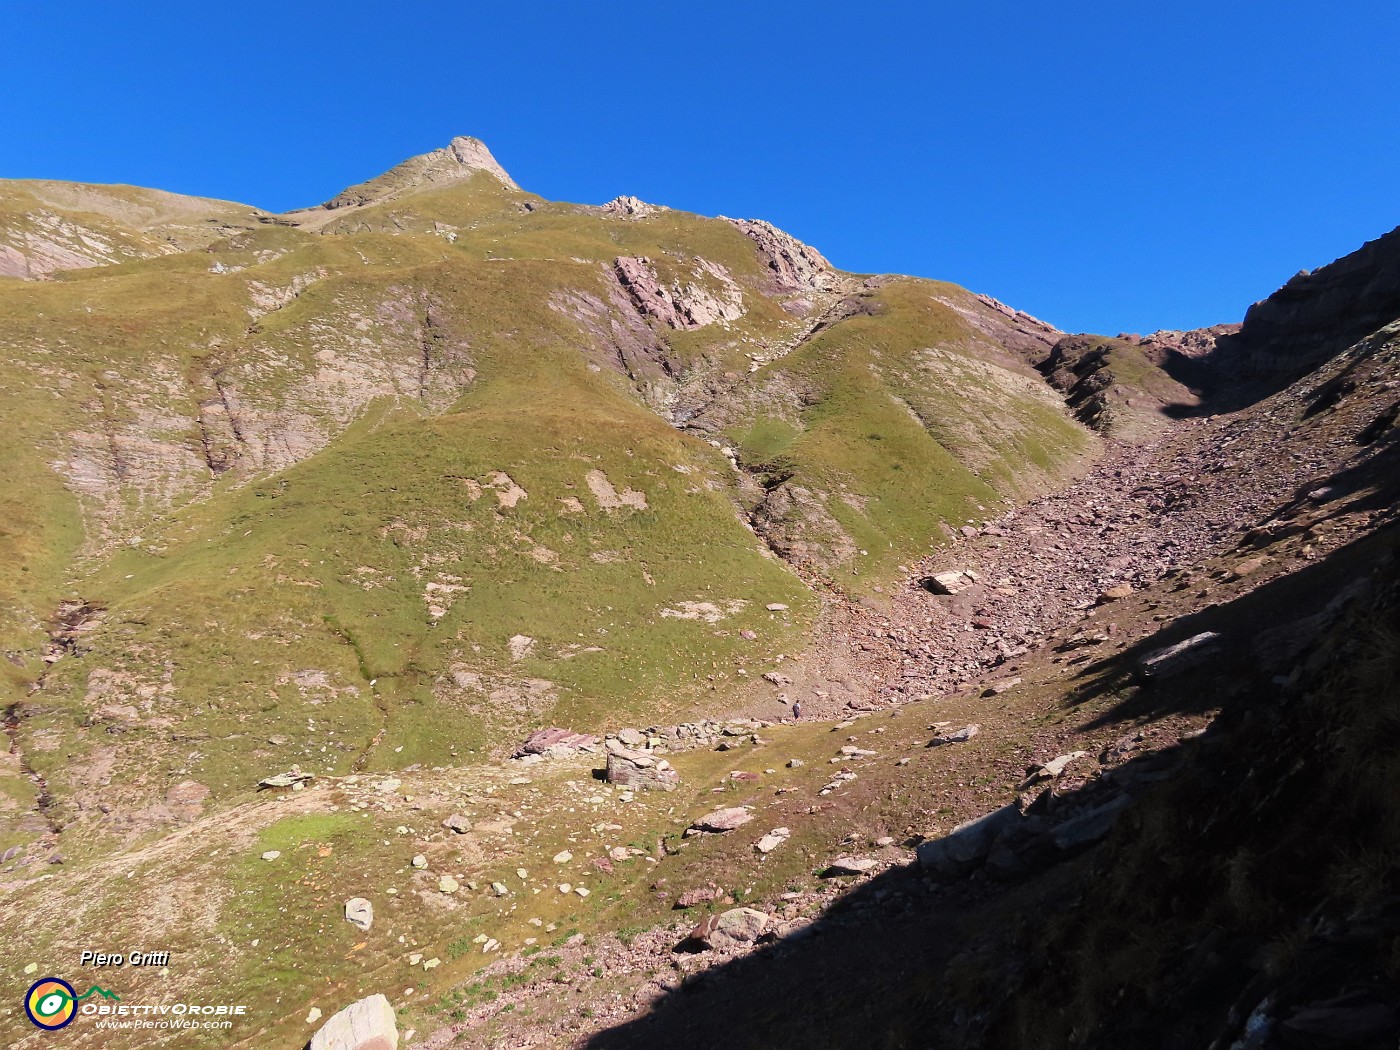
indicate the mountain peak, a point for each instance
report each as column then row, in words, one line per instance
column 458, row 161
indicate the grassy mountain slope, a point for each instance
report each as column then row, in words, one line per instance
column 394, row 482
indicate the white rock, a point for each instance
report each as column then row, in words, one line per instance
column 359, row 913
column 368, row 1023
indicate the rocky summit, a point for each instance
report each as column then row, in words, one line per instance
column 443, row 616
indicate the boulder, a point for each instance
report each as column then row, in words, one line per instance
column 1050, row 770
column 1005, row 685
column 638, row 770
column 772, row 840
column 722, row 820
column 366, row 1025
column 850, row 866
column 290, row 779
column 1091, row 826
column 954, row 582
column 731, row 930
column 359, row 913
column 967, row 844
column 964, row 734
column 1181, row 657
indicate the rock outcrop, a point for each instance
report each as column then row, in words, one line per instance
column 629, row 207
column 681, row 305
column 794, row 265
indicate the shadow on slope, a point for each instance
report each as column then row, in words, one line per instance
column 1260, row 873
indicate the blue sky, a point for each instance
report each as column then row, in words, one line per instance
column 1108, row 166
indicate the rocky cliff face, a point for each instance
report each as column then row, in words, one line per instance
column 1313, row 316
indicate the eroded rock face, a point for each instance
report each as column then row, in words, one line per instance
column 682, row 305
column 794, row 265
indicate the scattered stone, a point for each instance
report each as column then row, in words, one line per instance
column 366, row 1025
column 313, row 1015
column 699, row 895
column 457, row 823
column 359, row 913
column 884, row 840
column 631, row 737
column 563, row 857
column 795, row 763
column 420, row 862
column 272, row 854
column 447, row 884
column 777, row 607
column 500, row 889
